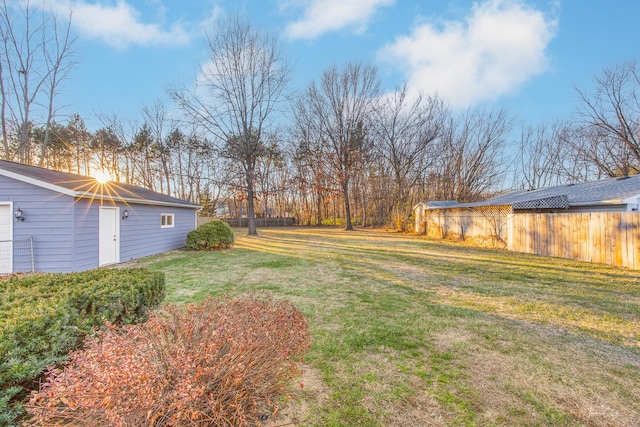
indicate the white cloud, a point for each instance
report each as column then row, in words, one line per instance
column 493, row 52
column 211, row 21
column 120, row 25
column 322, row 16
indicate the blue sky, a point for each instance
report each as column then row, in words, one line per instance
column 524, row 55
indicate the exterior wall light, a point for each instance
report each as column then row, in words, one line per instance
column 125, row 214
column 18, row 215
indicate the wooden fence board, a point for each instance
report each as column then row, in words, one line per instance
column 604, row 237
column 629, row 248
column 636, row 242
column 575, row 242
column 556, row 230
column 597, row 226
column 624, row 247
column 598, row 252
column 585, row 251
column 565, row 247
column 608, row 240
column 617, row 242
column 546, row 239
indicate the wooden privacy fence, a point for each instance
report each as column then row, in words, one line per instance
column 603, row 237
column 260, row 222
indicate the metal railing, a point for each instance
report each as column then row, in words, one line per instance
column 17, row 256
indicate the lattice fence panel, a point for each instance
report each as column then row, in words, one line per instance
column 486, row 225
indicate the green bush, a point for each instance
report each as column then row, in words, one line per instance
column 44, row 316
column 210, row 236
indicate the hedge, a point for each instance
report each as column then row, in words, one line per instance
column 44, row 316
column 210, row 236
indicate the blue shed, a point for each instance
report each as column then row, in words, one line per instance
column 53, row 221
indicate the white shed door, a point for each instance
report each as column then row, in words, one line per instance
column 6, row 236
column 109, row 236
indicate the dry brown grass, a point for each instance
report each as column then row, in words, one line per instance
column 309, row 391
column 409, row 331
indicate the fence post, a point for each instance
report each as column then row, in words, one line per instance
column 33, row 262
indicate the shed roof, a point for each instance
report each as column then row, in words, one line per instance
column 440, row 204
column 602, row 192
column 87, row 187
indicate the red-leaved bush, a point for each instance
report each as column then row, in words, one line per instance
column 218, row 363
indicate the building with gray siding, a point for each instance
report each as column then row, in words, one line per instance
column 54, row 221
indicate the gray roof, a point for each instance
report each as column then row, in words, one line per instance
column 609, row 191
column 87, row 187
column 439, row 204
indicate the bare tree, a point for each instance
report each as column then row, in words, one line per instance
column 37, row 55
column 404, row 133
column 334, row 114
column 3, row 105
column 159, row 123
column 544, row 156
column 58, row 55
column 144, row 153
column 107, row 148
column 594, row 155
column 112, row 148
column 313, row 173
column 473, row 163
column 267, row 169
column 612, row 115
column 80, row 139
column 236, row 95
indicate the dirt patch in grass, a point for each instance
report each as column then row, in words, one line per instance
column 308, row 393
column 395, row 393
column 451, row 338
column 421, row 410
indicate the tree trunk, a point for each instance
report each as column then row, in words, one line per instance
column 3, row 118
column 347, row 207
column 251, row 214
column 319, row 209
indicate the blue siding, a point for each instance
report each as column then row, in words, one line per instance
column 86, row 234
column 48, row 219
column 141, row 234
column 65, row 231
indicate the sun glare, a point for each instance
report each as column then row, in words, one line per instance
column 102, row 176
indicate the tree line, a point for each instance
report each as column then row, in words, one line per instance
column 342, row 151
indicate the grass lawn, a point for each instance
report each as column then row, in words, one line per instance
column 412, row 332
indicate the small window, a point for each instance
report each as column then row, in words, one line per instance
column 166, row 220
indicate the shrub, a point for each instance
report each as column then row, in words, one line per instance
column 209, row 236
column 44, row 316
column 217, row 363
column 333, row 221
